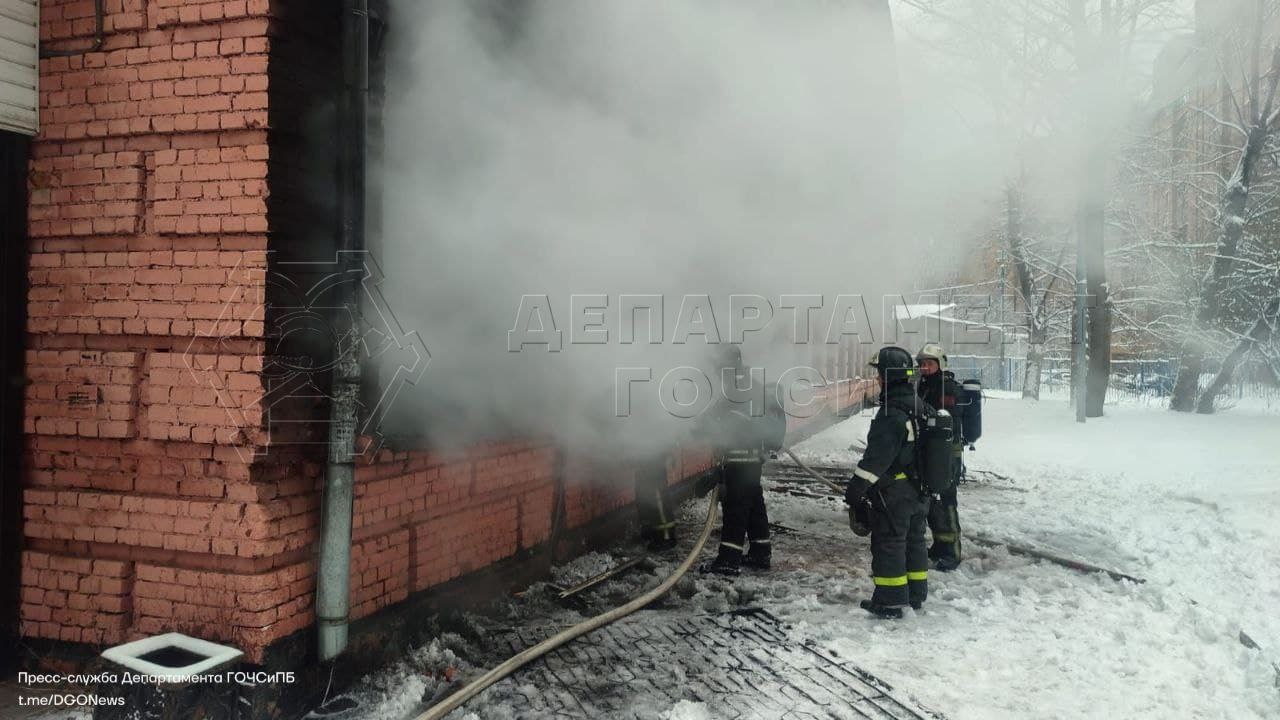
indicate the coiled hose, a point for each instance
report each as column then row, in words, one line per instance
column 454, row 701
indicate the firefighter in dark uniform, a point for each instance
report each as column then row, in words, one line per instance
column 886, row 480
column 742, row 437
column 657, row 523
column 939, row 388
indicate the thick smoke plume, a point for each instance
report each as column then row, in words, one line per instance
column 704, row 147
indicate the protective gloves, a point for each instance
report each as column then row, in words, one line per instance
column 856, row 495
column 857, row 489
column 860, row 518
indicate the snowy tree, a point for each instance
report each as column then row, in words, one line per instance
column 1037, row 263
column 1073, row 65
column 1239, row 283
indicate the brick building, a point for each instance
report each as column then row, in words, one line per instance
column 180, row 162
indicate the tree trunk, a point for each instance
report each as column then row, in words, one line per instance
column 1235, row 203
column 1013, row 232
column 1187, row 385
column 1077, row 370
column 1092, row 237
column 1031, row 378
column 1099, row 348
column 1259, row 333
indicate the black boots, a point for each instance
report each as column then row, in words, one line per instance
column 886, row 612
column 759, row 556
column 727, row 562
column 946, row 564
column 944, row 559
column 658, row 540
column 661, row 543
column 730, row 560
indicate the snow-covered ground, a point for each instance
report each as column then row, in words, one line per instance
column 1187, row 502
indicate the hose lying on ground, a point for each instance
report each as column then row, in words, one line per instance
column 451, row 703
column 1055, row 559
column 834, row 486
column 1013, row 549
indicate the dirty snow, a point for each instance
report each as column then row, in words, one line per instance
column 1186, row 502
column 685, row 710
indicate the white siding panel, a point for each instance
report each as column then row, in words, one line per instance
column 19, row 66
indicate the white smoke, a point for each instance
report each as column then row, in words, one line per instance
column 582, row 147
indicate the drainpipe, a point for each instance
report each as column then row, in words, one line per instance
column 99, row 34
column 333, row 591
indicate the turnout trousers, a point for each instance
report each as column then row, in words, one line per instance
column 944, row 519
column 656, row 520
column 745, row 516
column 899, row 557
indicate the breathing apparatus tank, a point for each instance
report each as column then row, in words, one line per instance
column 933, row 451
column 970, row 409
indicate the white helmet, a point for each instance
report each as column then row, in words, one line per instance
column 933, row 351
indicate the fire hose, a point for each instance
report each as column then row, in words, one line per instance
column 1015, row 549
column 835, row 487
column 983, row 540
column 475, row 687
column 454, row 701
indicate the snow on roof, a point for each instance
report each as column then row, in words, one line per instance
column 906, row 312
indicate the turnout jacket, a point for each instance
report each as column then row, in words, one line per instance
column 891, row 439
column 741, row 432
column 940, row 390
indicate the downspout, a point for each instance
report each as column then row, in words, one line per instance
column 333, row 591
column 99, row 34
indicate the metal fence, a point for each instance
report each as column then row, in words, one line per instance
column 1143, row 381
column 994, row 372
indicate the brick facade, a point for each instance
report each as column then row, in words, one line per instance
column 167, row 174
column 147, row 225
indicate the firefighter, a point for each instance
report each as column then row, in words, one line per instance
column 657, row 523
column 743, row 435
column 887, row 481
column 939, row 388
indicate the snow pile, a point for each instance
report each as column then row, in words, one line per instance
column 685, row 710
column 582, row 567
column 404, row 688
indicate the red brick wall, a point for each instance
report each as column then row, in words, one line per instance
column 75, row 599
column 148, row 250
column 424, row 518
column 443, row 515
column 150, row 502
column 840, row 398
